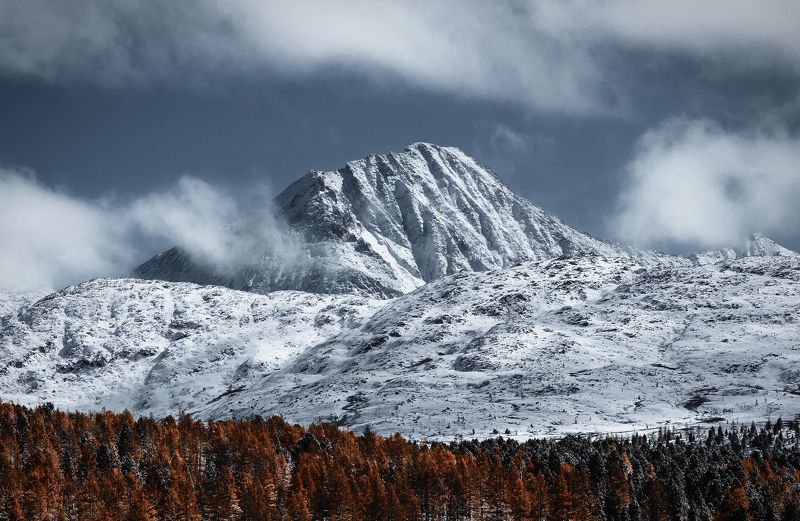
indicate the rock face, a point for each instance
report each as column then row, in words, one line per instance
column 387, row 224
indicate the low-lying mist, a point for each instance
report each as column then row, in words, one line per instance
column 50, row 238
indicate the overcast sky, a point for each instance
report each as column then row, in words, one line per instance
column 672, row 125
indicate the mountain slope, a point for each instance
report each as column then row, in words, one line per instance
column 556, row 346
column 545, row 347
column 758, row 245
column 11, row 300
column 502, row 318
column 387, row 224
column 158, row 347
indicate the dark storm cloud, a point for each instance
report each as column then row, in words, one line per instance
column 482, row 50
column 547, row 54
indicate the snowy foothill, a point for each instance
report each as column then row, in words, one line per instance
column 587, row 344
column 157, row 347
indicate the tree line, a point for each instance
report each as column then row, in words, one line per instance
column 57, row 465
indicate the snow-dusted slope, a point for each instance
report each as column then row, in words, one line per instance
column 571, row 344
column 546, row 347
column 11, row 300
column 387, row 224
column 159, row 347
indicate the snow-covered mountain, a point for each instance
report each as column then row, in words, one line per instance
column 421, row 295
column 387, row 224
column 578, row 344
column 587, row 343
column 159, row 347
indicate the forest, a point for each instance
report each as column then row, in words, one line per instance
column 58, row 465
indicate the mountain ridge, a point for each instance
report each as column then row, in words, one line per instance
column 388, row 223
column 488, row 314
column 756, row 245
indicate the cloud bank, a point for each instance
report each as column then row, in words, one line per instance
column 694, row 184
column 208, row 222
column 557, row 55
column 50, row 238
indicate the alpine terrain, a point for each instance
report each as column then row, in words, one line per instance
column 423, row 296
column 388, row 224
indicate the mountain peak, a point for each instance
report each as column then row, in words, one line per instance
column 756, row 245
column 430, row 153
column 422, row 147
column 759, row 245
column 388, row 223
column 417, row 145
column 423, row 144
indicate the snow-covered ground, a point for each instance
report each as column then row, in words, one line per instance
column 13, row 299
column 580, row 344
column 551, row 347
column 159, row 347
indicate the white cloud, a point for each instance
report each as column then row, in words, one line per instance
column 483, row 49
column 545, row 53
column 695, row 184
column 49, row 238
column 719, row 29
column 211, row 224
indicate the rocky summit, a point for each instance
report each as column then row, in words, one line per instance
column 387, row 224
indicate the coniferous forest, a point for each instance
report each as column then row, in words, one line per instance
column 57, row 465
